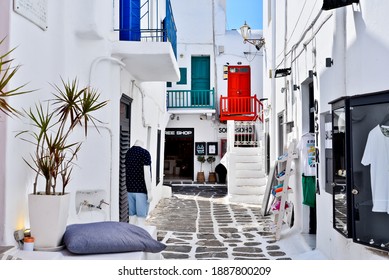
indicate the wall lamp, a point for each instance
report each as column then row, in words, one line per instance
column 282, row 72
column 296, row 87
column 311, row 74
column 245, row 32
column 329, row 62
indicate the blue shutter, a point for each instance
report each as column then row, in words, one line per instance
column 170, row 28
column 183, row 75
column 129, row 20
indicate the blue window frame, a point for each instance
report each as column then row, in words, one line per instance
column 183, row 74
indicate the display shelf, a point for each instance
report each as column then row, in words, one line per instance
column 288, row 191
column 283, row 163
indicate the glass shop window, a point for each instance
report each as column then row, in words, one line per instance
column 360, row 168
column 370, row 190
column 341, row 215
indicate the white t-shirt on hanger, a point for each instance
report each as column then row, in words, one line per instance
column 308, row 154
column 376, row 155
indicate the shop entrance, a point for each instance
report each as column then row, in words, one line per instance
column 179, row 147
column 308, row 127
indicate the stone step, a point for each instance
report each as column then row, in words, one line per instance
column 247, row 190
column 249, row 166
column 247, row 151
column 246, row 158
column 249, row 199
column 247, row 173
column 250, row 181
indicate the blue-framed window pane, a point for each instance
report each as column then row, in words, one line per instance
column 183, row 74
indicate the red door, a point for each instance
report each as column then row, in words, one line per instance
column 239, row 85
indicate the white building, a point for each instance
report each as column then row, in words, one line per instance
column 162, row 90
column 206, row 51
column 327, row 54
column 89, row 40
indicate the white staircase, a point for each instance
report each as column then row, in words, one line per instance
column 246, row 169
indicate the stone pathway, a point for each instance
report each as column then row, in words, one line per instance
column 4, row 249
column 199, row 223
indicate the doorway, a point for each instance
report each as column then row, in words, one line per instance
column 200, row 80
column 239, row 89
column 281, row 148
column 239, row 81
column 267, row 146
column 308, row 126
column 179, row 155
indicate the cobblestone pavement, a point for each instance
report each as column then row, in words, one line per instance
column 198, row 222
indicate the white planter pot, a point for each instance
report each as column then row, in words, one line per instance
column 48, row 219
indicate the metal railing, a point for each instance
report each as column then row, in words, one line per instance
column 190, row 99
column 247, row 133
column 170, row 27
column 241, row 108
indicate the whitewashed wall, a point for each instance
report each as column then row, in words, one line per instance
column 236, row 52
column 202, row 30
column 77, row 43
column 356, row 38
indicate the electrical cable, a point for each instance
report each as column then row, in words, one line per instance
column 295, row 26
column 303, row 34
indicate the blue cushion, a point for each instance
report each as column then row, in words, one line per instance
column 109, row 237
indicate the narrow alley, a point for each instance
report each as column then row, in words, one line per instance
column 198, row 222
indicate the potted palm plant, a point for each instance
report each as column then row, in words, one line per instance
column 55, row 152
column 212, row 174
column 200, row 174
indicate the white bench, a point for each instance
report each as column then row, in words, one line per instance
column 66, row 255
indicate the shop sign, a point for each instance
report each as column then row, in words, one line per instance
column 33, row 10
column 238, row 130
column 200, row 148
column 179, row 132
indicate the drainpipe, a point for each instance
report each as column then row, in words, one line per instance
column 286, row 120
column 98, row 60
column 214, row 59
column 111, row 188
column 273, row 115
column 133, row 84
column 92, row 68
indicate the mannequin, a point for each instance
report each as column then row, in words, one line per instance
column 138, row 181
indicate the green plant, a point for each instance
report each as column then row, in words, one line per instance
column 7, row 73
column 201, row 159
column 211, row 160
column 55, row 152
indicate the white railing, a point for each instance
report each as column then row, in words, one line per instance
column 247, row 133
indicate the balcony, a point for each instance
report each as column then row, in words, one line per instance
column 191, row 101
column 149, row 52
column 241, row 108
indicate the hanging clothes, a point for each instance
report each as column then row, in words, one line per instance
column 309, row 190
column 308, row 154
column 308, row 157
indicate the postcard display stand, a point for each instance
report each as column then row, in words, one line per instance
column 360, row 168
column 282, row 208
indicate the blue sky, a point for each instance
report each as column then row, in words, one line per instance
column 239, row 11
